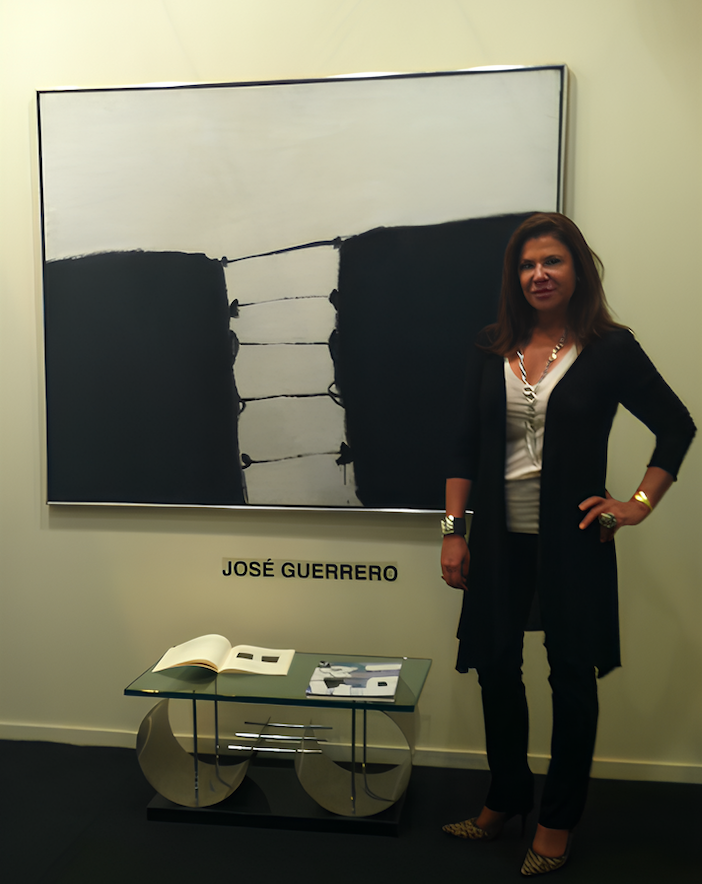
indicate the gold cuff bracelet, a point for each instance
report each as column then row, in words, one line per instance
column 642, row 498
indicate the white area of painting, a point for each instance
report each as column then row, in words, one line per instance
column 271, row 429
column 238, row 171
column 283, row 370
column 283, row 324
column 301, row 321
column 308, row 481
column 290, row 275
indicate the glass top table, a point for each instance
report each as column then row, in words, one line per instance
column 196, row 683
column 357, row 782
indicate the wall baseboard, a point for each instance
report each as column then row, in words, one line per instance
column 602, row 768
column 76, row 736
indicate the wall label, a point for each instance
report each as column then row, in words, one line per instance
column 291, row 569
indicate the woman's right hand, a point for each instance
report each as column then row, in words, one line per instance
column 455, row 560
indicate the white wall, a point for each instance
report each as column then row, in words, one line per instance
column 91, row 596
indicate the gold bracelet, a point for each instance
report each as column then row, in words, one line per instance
column 642, row 498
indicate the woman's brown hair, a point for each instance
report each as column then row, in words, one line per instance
column 588, row 312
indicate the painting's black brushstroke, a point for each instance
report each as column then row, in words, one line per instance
column 247, row 460
column 292, row 300
column 410, row 301
column 287, row 396
column 287, row 343
column 336, row 243
column 141, row 402
column 345, row 455
column 235, row 345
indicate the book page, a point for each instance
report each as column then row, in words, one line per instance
column 209, row 651
column 260, row 661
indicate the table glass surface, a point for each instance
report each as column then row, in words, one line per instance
column 196, row 683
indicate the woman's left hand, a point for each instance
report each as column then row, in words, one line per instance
column 626, row 512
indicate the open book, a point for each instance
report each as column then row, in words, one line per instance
column 372, row 679
column 214, row 652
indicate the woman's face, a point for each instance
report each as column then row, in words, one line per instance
column 547, row 274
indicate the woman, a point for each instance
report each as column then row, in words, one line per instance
column 543, row 385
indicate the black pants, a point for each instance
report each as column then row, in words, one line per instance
column 575, row 710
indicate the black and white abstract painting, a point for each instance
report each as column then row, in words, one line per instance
column 261, row 294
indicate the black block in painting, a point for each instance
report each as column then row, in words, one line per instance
column 411, row 301
column 141, row 401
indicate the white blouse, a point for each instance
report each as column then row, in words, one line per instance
column 525, row 443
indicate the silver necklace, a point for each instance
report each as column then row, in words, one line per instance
column 529, row 390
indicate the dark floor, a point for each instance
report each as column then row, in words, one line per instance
column 78, row 814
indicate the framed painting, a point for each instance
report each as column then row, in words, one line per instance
column 254, row 293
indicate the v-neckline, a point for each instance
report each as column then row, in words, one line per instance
column 563, row 352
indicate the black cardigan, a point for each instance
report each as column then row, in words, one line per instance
column 577, row 583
